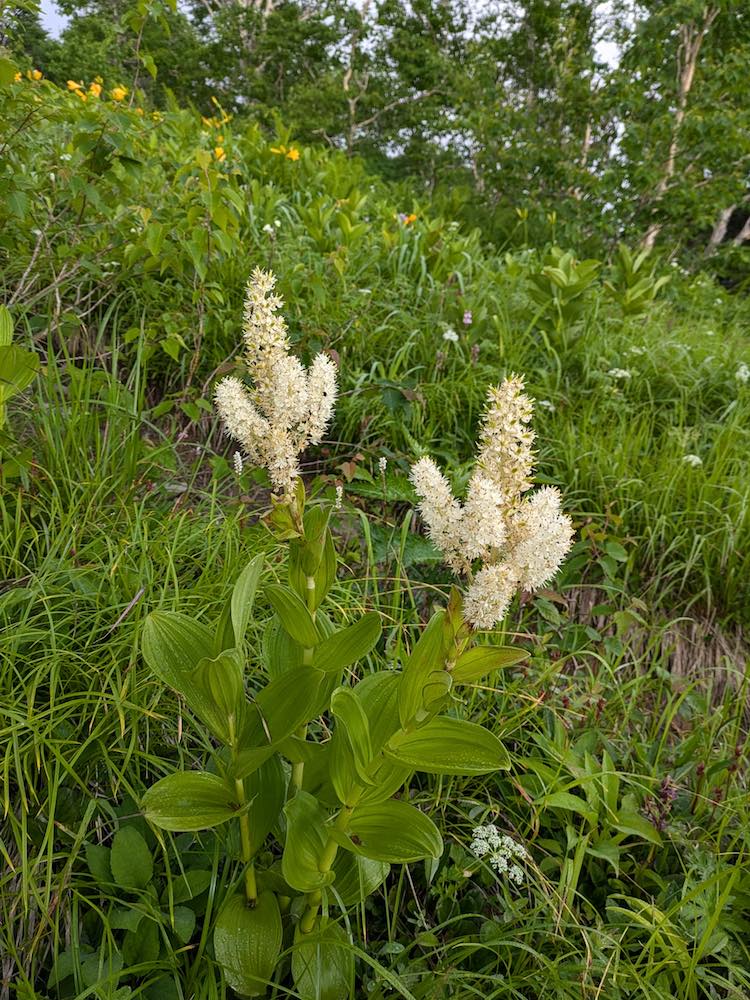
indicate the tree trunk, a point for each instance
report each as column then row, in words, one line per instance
column 691, row 40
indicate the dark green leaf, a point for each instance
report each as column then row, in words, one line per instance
column 131, row 861
column 323, row 964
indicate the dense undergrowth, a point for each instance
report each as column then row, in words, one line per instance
column 126, row 241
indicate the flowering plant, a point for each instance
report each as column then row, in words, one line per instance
column 327, row 793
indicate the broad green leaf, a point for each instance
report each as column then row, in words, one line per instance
column 189, row 800
column 637, row 826
column 280, row 651
column 98, row 859
column 294, row 615
column 279, row 709
column 349, row 645
column 183, row 923
column 306, row 838
column 222, row 704
column 247, row 942
column 482, row 660
column 324, row 575
column 449, row 746
column 142, row 947
column 265, row 790
column 323, row 964
column 187, row 885
column 349, row 714
column 173, row 646
column 427, row 655
column 6, row 327
column 131, row 861
column 357, row 877
column 18, row 368
column 125, row 918
column 391, row 831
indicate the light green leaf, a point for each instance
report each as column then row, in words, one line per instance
column 247, row 943
column 449, row 746
column 6, row 327
column 306, row 837
column 294, row 615
column 349, row 645
column 482, row 660
column 189, row 800
column 173, row 646
column 427, row 655
column 391, row 831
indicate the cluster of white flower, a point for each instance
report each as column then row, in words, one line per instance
column 521, row 541
column 743, row 374
column 500, row 850
column 694, row 460
column 619, row 373
column 287, row 408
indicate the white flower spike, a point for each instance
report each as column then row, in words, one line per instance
column 287, row 408
column 519, row 540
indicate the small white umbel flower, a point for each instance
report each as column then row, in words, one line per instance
column 520, row 539
column 500, row 851
column 287, row 407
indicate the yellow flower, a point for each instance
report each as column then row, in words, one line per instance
column 410, row 218
column 95, row 89
column 72, row 85
column 119, row 93
column 139, row 111
column 36, row 74
column 293, row 154
column 219, row 153
column 17, row 77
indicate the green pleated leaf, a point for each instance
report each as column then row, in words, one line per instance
column 482, row 660
column 189, row 800
column 294, row 615
column 278, row 711
column 265, row 790
column 247, row 943
column 427, row 655
column 449, row 746
column 173, row 646
column 350, row 644
column 218, row 697
column 131, row 861
column 306, row 837
column 391, row 831
column 323, row 964
column 357, row 877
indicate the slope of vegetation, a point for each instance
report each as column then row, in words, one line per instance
column 127, row 236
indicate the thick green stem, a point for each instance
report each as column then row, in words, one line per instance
column 251, row 888
column 298, row 770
